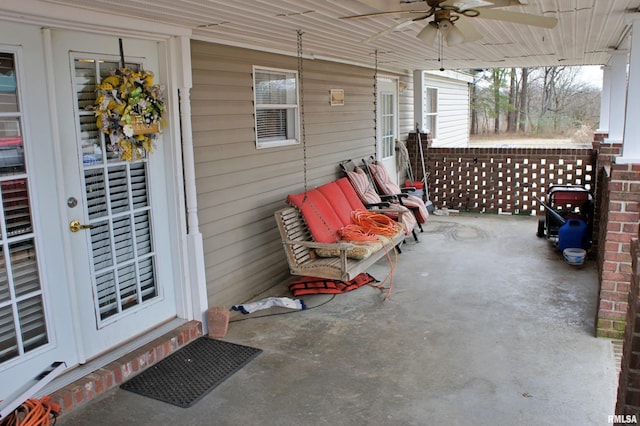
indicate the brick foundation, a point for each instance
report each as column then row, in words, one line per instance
column 114, row 374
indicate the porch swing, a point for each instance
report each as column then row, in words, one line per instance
column 310, row 227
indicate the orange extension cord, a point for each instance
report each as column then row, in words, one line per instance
column 33, row 412
column 367, row 227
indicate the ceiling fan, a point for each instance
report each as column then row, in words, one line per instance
column 449, row 17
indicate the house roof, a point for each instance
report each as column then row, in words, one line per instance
column 587, row 31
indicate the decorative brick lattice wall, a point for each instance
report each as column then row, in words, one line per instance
column 499, row 180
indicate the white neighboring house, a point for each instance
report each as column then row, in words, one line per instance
column 442, row 106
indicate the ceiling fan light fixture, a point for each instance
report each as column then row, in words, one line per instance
column 454, row 36
column 429, row 33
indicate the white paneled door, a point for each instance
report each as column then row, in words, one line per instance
column 116, row 209
column 387, row 118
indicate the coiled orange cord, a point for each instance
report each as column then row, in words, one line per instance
column 367, row 227
column 375, row 223
column 33, row 412
column 356, row 233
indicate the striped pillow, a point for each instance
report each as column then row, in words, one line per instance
column 363, row 186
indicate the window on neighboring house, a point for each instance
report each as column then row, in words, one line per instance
column 431, row 111
column 276, row 107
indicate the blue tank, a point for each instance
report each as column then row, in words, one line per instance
column 572, row 234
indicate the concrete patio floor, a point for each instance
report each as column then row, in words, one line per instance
column 486, row 325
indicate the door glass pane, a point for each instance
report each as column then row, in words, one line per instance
column 8, row 84
column 101, row 245
column 118, row 209
column 5, row 294
column 22, row 317
column 8, row 335
column 11, row 146
column 17, row 210
column 387, row 124
column 33, row 328
column 96, row 193
column 118, row 189
column 24, row 267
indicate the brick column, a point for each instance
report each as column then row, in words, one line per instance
column 629, row 383
column 600, row 136
column 619, row 223
column 605, row 156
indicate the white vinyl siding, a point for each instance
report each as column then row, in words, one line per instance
column 240, row 187
column 406, row 121
column 452, row 128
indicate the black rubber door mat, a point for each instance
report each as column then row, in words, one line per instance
column 193, row 371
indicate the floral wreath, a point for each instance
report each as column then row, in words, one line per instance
column 130, row 109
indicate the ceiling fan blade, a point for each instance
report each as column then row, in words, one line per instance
column 467, row 4
column 503, row 3
column 392, row 7
column 475, row 4
column 518, row 18
column 383, row 5
column 393, row 12
column 468, row 30
column 387, row 31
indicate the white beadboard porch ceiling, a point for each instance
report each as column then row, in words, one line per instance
column 586, row 33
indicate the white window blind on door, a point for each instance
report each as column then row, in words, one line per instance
column 117, row 206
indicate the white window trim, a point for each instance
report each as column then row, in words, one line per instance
column 395, row 81
column 295, row 107
column 432, row 114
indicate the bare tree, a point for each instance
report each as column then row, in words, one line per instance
column 523, row 105
column 556, row 85
column 477, row 76
column 548, row 101
column 498, row 77
column 511, row 108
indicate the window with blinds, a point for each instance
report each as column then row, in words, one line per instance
column 22, row 318
column 276, row 107
column 387, row 125
column 118, row 208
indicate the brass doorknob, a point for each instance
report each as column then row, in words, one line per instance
column 75, row 226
